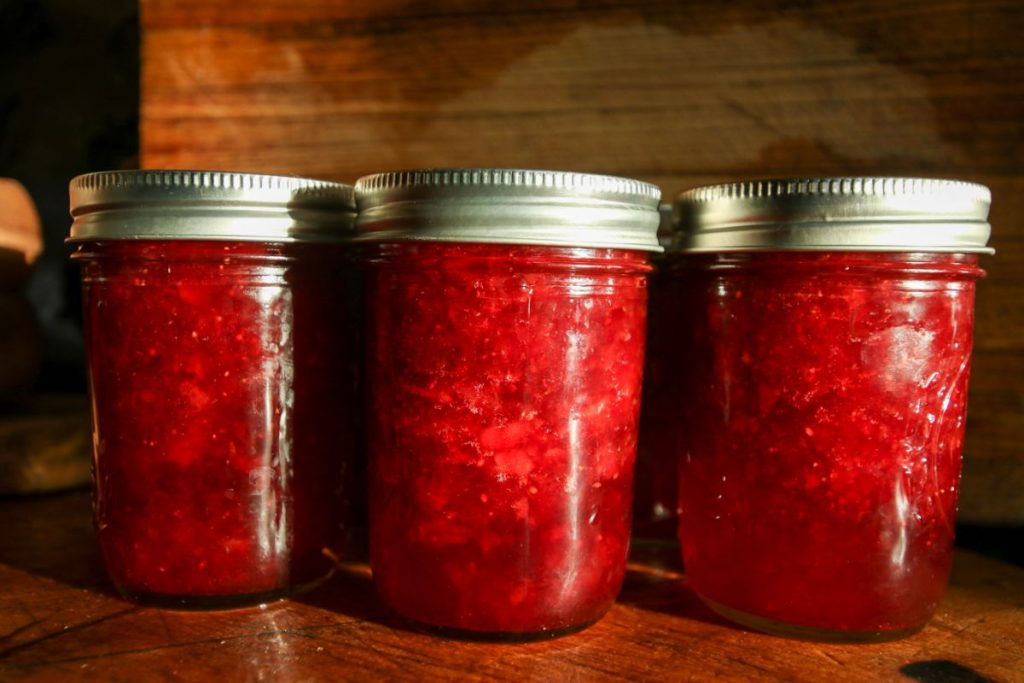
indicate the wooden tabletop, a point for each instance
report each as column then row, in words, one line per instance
column 60, row 621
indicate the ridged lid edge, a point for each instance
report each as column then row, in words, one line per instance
column 868, row 186
column 543, row 182
column 226, row 182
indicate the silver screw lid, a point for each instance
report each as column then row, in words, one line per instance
column 509, row 206
column 835, row 214
column 209, row 205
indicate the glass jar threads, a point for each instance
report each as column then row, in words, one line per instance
column 505, row 333
column 824, row 365
column 222, row 367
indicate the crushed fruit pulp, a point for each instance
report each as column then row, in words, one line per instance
column 222, row 376
column 505, row 389
column 823, row 416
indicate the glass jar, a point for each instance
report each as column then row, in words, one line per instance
column 222, row 362
column 505, row 333
column 655, row 505
column 824, row 361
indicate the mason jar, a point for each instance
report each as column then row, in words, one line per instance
column 222, row 363
column 505, row 334
column 824, row 360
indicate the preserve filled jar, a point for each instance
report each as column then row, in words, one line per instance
column 222, row 362
column 505, row 337
column 824, row 363
column 655, row 504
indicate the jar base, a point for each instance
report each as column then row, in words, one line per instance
column 811, row 633
column 499, row 636
column 200, row 603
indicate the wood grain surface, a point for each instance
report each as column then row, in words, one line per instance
column 677, row 93
column 60, row 621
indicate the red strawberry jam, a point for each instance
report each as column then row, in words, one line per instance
column 222, row 376
column 825, row 396
column 505, row 395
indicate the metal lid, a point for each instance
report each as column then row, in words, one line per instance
column 209, row 205
column 509, row 206
column 835, row 214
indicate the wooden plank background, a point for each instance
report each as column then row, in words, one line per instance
column 677, row 93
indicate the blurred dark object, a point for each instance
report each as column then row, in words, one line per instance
column 44, row 441
column 20, row 244
column 69, row 103
column 69, row 98
column 45, row 445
